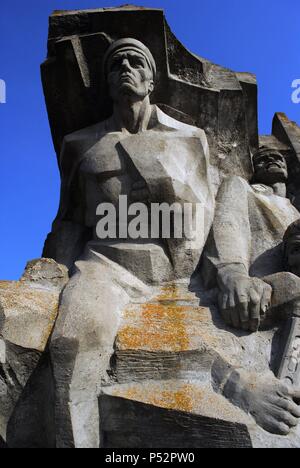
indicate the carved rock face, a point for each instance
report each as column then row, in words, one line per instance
column 270, row 169
column 28, row 310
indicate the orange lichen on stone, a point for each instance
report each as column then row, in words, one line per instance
column 174, row 292
column 183, row 398
column 159, row 326
column 28, row 314
column 171, row 322
column 16, row 294
column 5, row 283
column 187, row 396
column 172, row 328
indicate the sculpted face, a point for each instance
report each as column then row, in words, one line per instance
column 270, row 168
column 293, row 254
column 129, row 74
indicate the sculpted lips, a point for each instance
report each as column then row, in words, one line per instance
column 126, row 78
column 274, row 165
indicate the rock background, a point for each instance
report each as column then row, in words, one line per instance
column 28, row 310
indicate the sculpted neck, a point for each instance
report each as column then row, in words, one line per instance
column 280, row 189
column 132, row 114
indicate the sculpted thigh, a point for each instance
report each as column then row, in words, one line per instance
column 90, row 307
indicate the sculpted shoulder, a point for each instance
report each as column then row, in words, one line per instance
column 235, row 184
column 182, row 129
column 88, row 135
column 77, row 144
column 176, row 125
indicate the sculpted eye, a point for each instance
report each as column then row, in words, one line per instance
column 137, row 62
column 115, row 65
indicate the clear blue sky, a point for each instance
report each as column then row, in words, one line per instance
column 261, row 36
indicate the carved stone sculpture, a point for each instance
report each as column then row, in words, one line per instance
column 139, row 152
column 245, row 241
column 131, row 337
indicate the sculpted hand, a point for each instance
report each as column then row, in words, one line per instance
column 243, row 300
column 272, row 403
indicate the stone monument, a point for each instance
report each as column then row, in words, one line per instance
column 165, row 310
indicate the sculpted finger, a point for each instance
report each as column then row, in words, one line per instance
column 284, row 389
column 254, row 325
column 231, row 301
column 226, row 314
column 241, row 295
column 254, row 310
column 265, row 302
column 289, row 406
column 235, row 319
column 273, row 426
column 222, row 300
column 282, row 429
column 285, row 417
column 254, row 302
column 243, row 312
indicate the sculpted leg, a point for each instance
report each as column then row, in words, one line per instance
column 82, row 345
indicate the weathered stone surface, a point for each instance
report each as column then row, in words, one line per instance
column 288, row 132
column 135, row 349
column 244, row 248
column 28, row 310
column 45, row 273
column 164, row 356
column 167, row 419
column 150, row 261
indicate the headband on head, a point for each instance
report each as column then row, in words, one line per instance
column 129, row 44
column 292, row 231
column 264, row 151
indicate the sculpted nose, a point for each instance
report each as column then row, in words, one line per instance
column 125, row 65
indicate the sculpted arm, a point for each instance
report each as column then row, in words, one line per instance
column 68, row 237
column 242, row 300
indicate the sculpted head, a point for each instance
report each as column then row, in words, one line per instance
column 130, row 69
column 291, row 243
column 269, row 167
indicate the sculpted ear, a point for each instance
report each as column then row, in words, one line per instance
column 151, row 87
